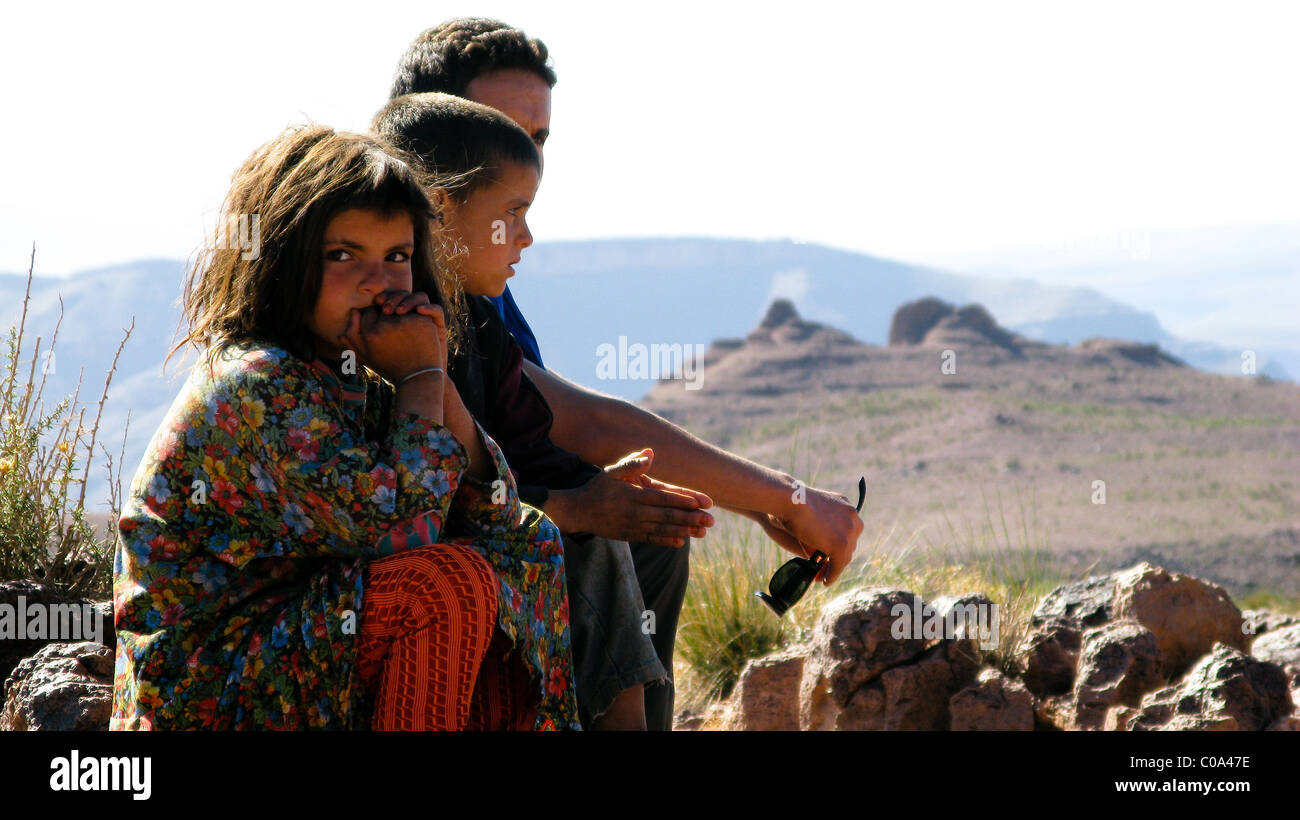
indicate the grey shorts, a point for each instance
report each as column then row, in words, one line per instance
column 612, row 641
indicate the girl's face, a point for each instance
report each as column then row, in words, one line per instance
column 491, row 226
column 364, row 254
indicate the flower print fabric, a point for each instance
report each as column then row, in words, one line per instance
column 238, row 579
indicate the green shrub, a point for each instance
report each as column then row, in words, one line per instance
column 45, row 460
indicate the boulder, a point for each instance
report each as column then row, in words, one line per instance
column 1119, row 662
column 993, row 703
column 1282, row 647
column 1082, row 604
column 766, row 697
column 1260, row 621
column 1047, row 655
column 853, row 643
column 19, row 599
column 1186, row 615
column 15, row 595
column 916, row 694
column 973, row 615
column 1226, row 690
column 65, row 686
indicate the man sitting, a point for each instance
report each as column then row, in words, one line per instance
column 492, row 63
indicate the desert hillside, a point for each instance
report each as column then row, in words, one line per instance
column 1200, row 470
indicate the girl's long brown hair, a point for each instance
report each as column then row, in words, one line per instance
column 293, row 186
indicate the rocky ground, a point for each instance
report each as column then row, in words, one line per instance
column 1136, row 650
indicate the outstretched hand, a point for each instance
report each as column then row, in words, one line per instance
column 624, row 503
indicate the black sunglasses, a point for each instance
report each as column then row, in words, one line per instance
column 791, row 581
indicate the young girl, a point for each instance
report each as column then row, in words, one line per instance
column 320, row 536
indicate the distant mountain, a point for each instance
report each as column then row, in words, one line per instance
column 579, row 296
column 1236, row 285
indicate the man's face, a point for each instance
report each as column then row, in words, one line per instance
column 519, row 94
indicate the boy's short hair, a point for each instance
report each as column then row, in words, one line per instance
column 448, row 56
column 461, row 144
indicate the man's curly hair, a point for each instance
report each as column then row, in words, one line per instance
column 448, row 56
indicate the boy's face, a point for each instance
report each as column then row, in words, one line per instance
column 492, row 227
column 519, row 94
column 364, row 253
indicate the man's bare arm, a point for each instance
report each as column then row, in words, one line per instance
column 602, row 428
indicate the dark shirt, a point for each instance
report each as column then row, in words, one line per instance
column 488, row 373
column 518, row 326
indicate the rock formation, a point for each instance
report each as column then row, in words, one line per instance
column 1138, row 649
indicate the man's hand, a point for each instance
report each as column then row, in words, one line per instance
column 625, row 504
column 826, row 522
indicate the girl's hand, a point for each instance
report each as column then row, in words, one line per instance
column 401, row 302
column 398, row 342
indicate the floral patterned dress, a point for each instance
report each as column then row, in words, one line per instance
column 238, row 578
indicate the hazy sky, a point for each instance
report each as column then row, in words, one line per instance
column 913, row 130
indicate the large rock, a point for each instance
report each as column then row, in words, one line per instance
column 1118, row 664
column 993, row 703
column 1083, row 604
column 973, row 615
column 1188, row 616
column 913, row 320
column 916, row 694
column 1261, row 621
column 21, row 600
column 933, row 322
column 1227, row 690
column 1047, row 656
column 1281, row 647
column 853, row 643
column 16, row 596
column 65, row 686
column 766, row 697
